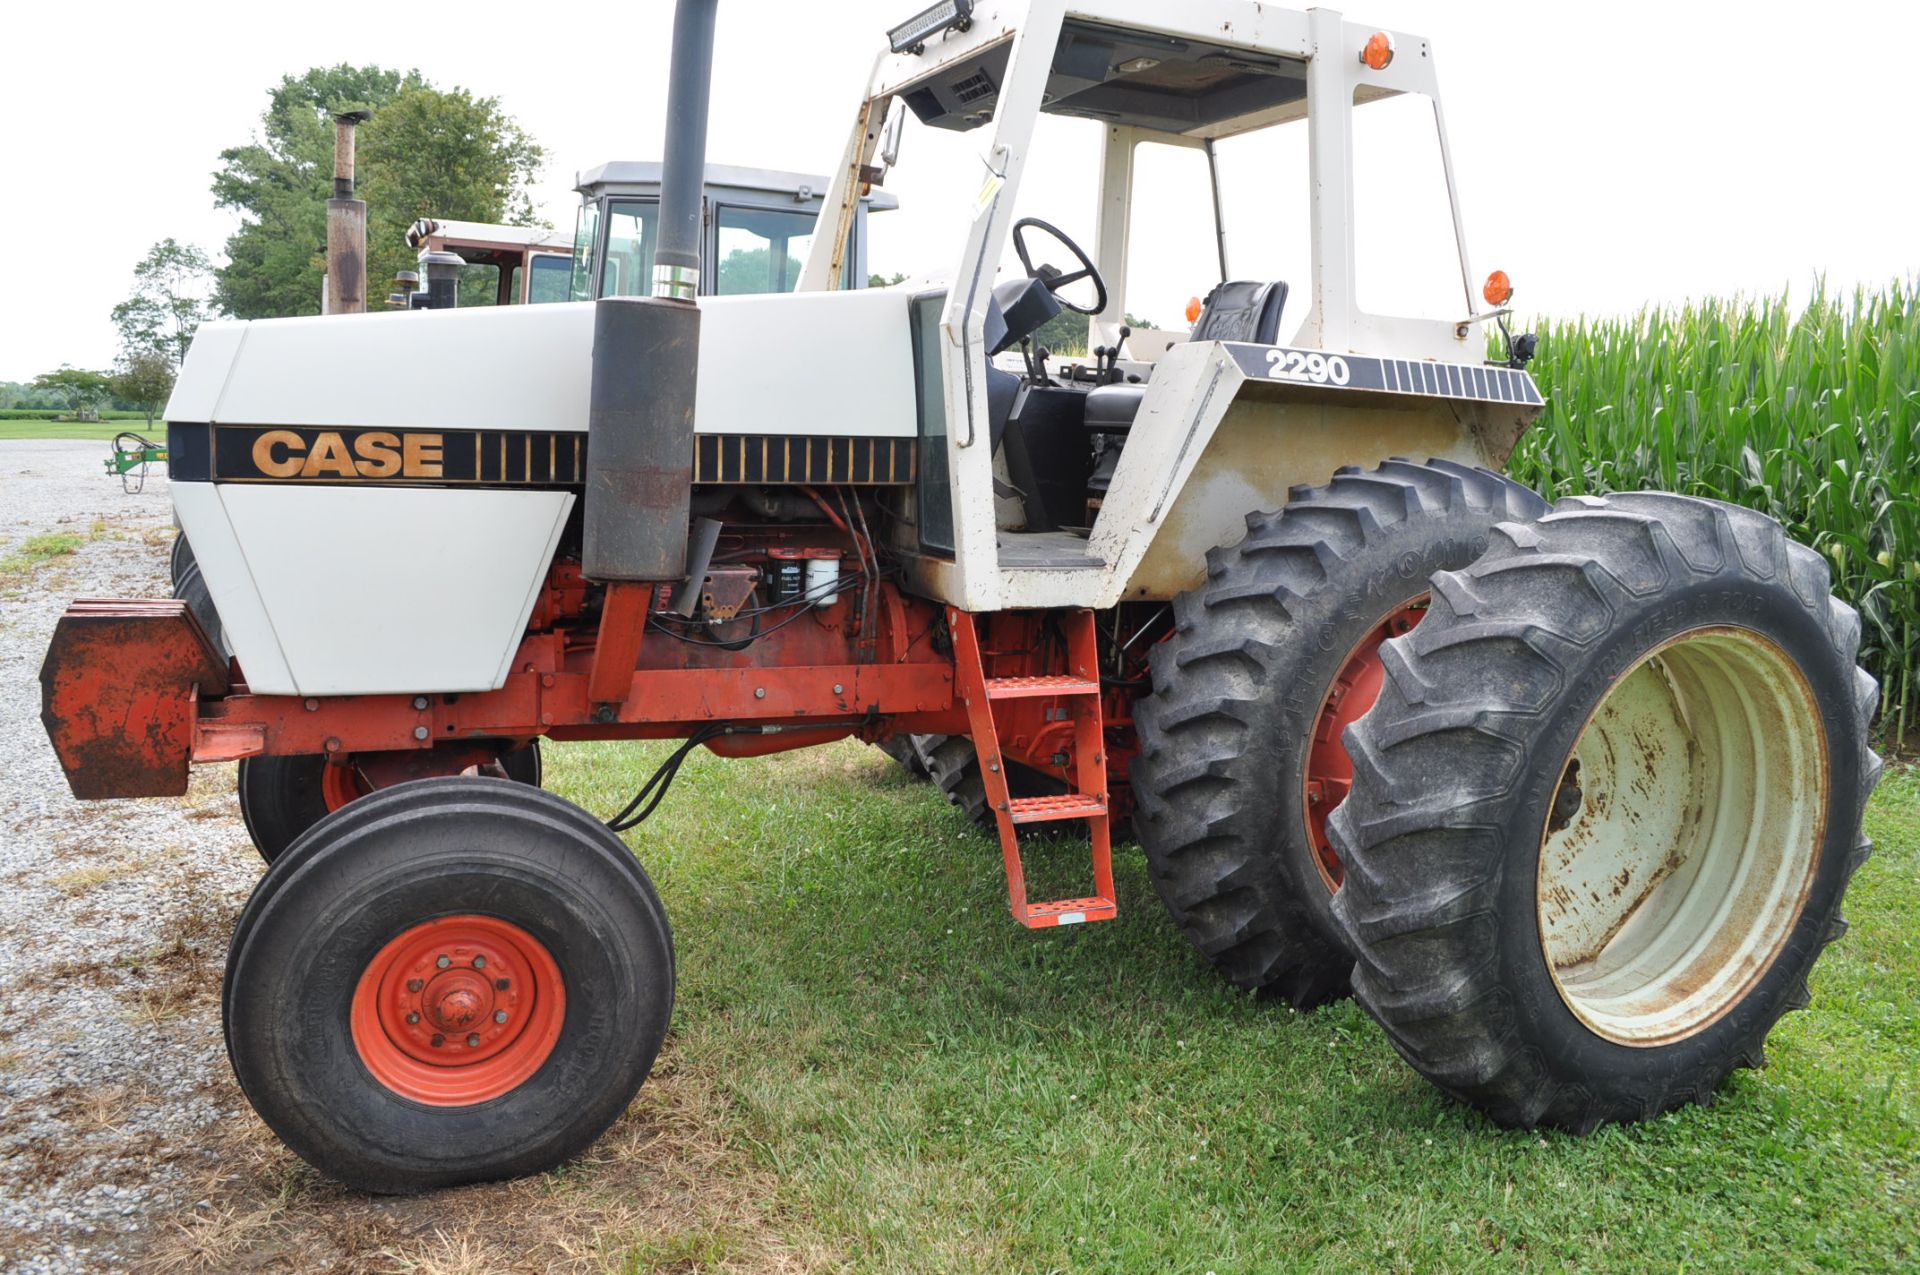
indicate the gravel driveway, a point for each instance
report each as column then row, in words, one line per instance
column 124, row 1142
column 114, row 925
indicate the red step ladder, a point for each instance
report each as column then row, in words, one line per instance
column 1078, row 692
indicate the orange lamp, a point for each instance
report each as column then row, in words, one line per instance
column 1193, row 310
column 1499, row 289
column 1377, row 53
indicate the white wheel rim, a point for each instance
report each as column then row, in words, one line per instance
column 1680, row 875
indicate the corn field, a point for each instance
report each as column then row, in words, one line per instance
column 1811, row 415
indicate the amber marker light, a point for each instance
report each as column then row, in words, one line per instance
column 1377, row 53
column 1499, row 288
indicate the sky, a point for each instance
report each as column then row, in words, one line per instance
column 1608, row 156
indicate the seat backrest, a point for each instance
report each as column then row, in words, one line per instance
column 1242, row 311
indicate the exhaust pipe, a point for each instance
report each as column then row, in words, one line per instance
column 683, row 170
column 646, row 354
column 345, row 291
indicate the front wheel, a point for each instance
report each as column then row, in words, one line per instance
column 453, row 980
column 1605, row 808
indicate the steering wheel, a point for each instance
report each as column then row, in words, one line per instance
column 1052, row 278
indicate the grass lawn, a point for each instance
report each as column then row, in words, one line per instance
column 102, row 430
column 935, row 1089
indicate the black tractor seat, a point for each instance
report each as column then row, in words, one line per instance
column 1243, row 311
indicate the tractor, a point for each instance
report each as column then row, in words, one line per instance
column 1566, row 797
column 756, row 223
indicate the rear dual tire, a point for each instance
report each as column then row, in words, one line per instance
column 1567, row 946
column 1241, row 689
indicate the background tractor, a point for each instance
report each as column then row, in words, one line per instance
column 1566, row 797
column 756, row 226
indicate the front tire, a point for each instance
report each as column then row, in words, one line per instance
column 1239, row 754
column 179, row 558
column 282, row 797
column 1605, row 810
column 364, row 1027
column 191, row 588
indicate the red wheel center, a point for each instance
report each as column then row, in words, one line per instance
column 458, row 1011
column 1329, row 768
column 340, row 783
column 457, row 1007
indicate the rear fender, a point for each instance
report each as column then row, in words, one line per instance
column 1228, row 429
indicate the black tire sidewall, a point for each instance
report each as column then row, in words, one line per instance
column 179, row 557
column 1541, row 1017
column 292, row 982
column 1397, row 568
column 280, row 798
column 339, row 823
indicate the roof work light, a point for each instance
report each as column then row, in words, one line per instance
column 912, row 35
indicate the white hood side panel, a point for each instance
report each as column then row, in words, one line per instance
column 382, row 590
column 837, row 363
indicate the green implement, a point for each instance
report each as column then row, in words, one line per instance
column 131, row 455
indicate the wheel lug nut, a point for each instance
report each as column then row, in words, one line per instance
column 414, row 984
column 499, row 1015
column 473, row 1041
column 444, row 961
column 501, row 984
column 412, row 1019
column 479, row 962
column 438, row 1040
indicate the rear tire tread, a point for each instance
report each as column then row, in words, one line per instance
column 1421, row 961
column 1207, row 730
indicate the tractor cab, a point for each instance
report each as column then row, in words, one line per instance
column 498, row 265
column 1232, row 195
column 757, row 223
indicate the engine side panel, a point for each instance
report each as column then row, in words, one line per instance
column 356, row 590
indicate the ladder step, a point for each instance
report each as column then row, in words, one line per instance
column 1068, row 912
column 1033, row 687
column 1065, row 805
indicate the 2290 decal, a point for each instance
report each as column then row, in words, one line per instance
column 1308, row 367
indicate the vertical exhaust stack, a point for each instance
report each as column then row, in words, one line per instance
column 346, row 285
column 646, row 353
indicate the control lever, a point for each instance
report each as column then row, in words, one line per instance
column 1036, row 366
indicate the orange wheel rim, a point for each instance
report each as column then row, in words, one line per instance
column 340, row 784
column 1329, row 768
column 458, row 1011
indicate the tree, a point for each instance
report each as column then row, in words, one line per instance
column 444, row 154
column 74, row 387
column 144, row 379
column 280, row 182
column 169, row 301
column 1065, row 334
column 424, row 153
